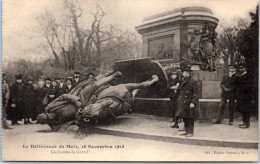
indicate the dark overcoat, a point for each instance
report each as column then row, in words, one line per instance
column 62, row 90
column 74, row 83
column 53, row 91
column 67, row 89
column 15, row 98
column 187, row 94
column 230, row 83
column 28, row 100
column 40, row 95
column 244, row 93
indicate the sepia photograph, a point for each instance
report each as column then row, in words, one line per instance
column 130, row 80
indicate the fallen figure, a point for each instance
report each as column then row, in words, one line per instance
column 91, row 102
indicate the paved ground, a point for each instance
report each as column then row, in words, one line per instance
column 16, row 145
column 204, row 130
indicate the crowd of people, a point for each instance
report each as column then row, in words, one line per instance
column 184, row 97
column 27, row 97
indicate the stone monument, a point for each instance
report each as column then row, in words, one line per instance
column 181, row 35
column 177, row 36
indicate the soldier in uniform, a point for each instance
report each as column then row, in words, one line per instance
column 187, row 100
column 76, row 80
column 228, row 86
column 68, row 84
column 244, row 95
column 28, row 100
column 5, row 98
column 15, row 105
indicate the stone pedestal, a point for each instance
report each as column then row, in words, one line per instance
column 182, row 35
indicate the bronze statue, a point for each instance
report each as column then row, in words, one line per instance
column 91, row 102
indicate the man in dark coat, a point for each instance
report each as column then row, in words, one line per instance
column 187, row 100
column 76, row 80
column 28, row 100
column 54, row 91
column 69, row 86
column 15, row 106
column 47, row 89
column 174, row 84
column 228, row 86
column 244, row 95
column 40, row 95
column 62, row 87
column 5, row 98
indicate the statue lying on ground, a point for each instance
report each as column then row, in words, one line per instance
column 91, row 102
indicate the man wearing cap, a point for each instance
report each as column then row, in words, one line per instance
column 228, row 87
column 28, row 100
column 174, row 83
column 68, row 84
column 15, row 102
column 76, row 80
column 5, row 98
column 244, row 95
column 187, row 100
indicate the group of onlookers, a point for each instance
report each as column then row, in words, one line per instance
column 236, row 89
column 26, row 98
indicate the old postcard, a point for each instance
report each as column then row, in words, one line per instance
column 130, row 80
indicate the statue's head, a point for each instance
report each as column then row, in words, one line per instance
column 92, row 112
column 45, row 118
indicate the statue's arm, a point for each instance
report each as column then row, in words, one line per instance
column 133, row 86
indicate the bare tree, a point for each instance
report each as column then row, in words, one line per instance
column 48, row 25
column 86, row 46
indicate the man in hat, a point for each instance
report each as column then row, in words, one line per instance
column 15, row 105
column 244, row 95
column 174, row 83
column 68, row 84
column 5, row 98
column 187, row 100
column 76, row 79
column 62, row 87
column 54, row 91
column 28, row 100
column 228, row 87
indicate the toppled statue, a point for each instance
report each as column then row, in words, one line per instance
column 91, row 102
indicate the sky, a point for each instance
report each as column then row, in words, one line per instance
column 22, row 38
